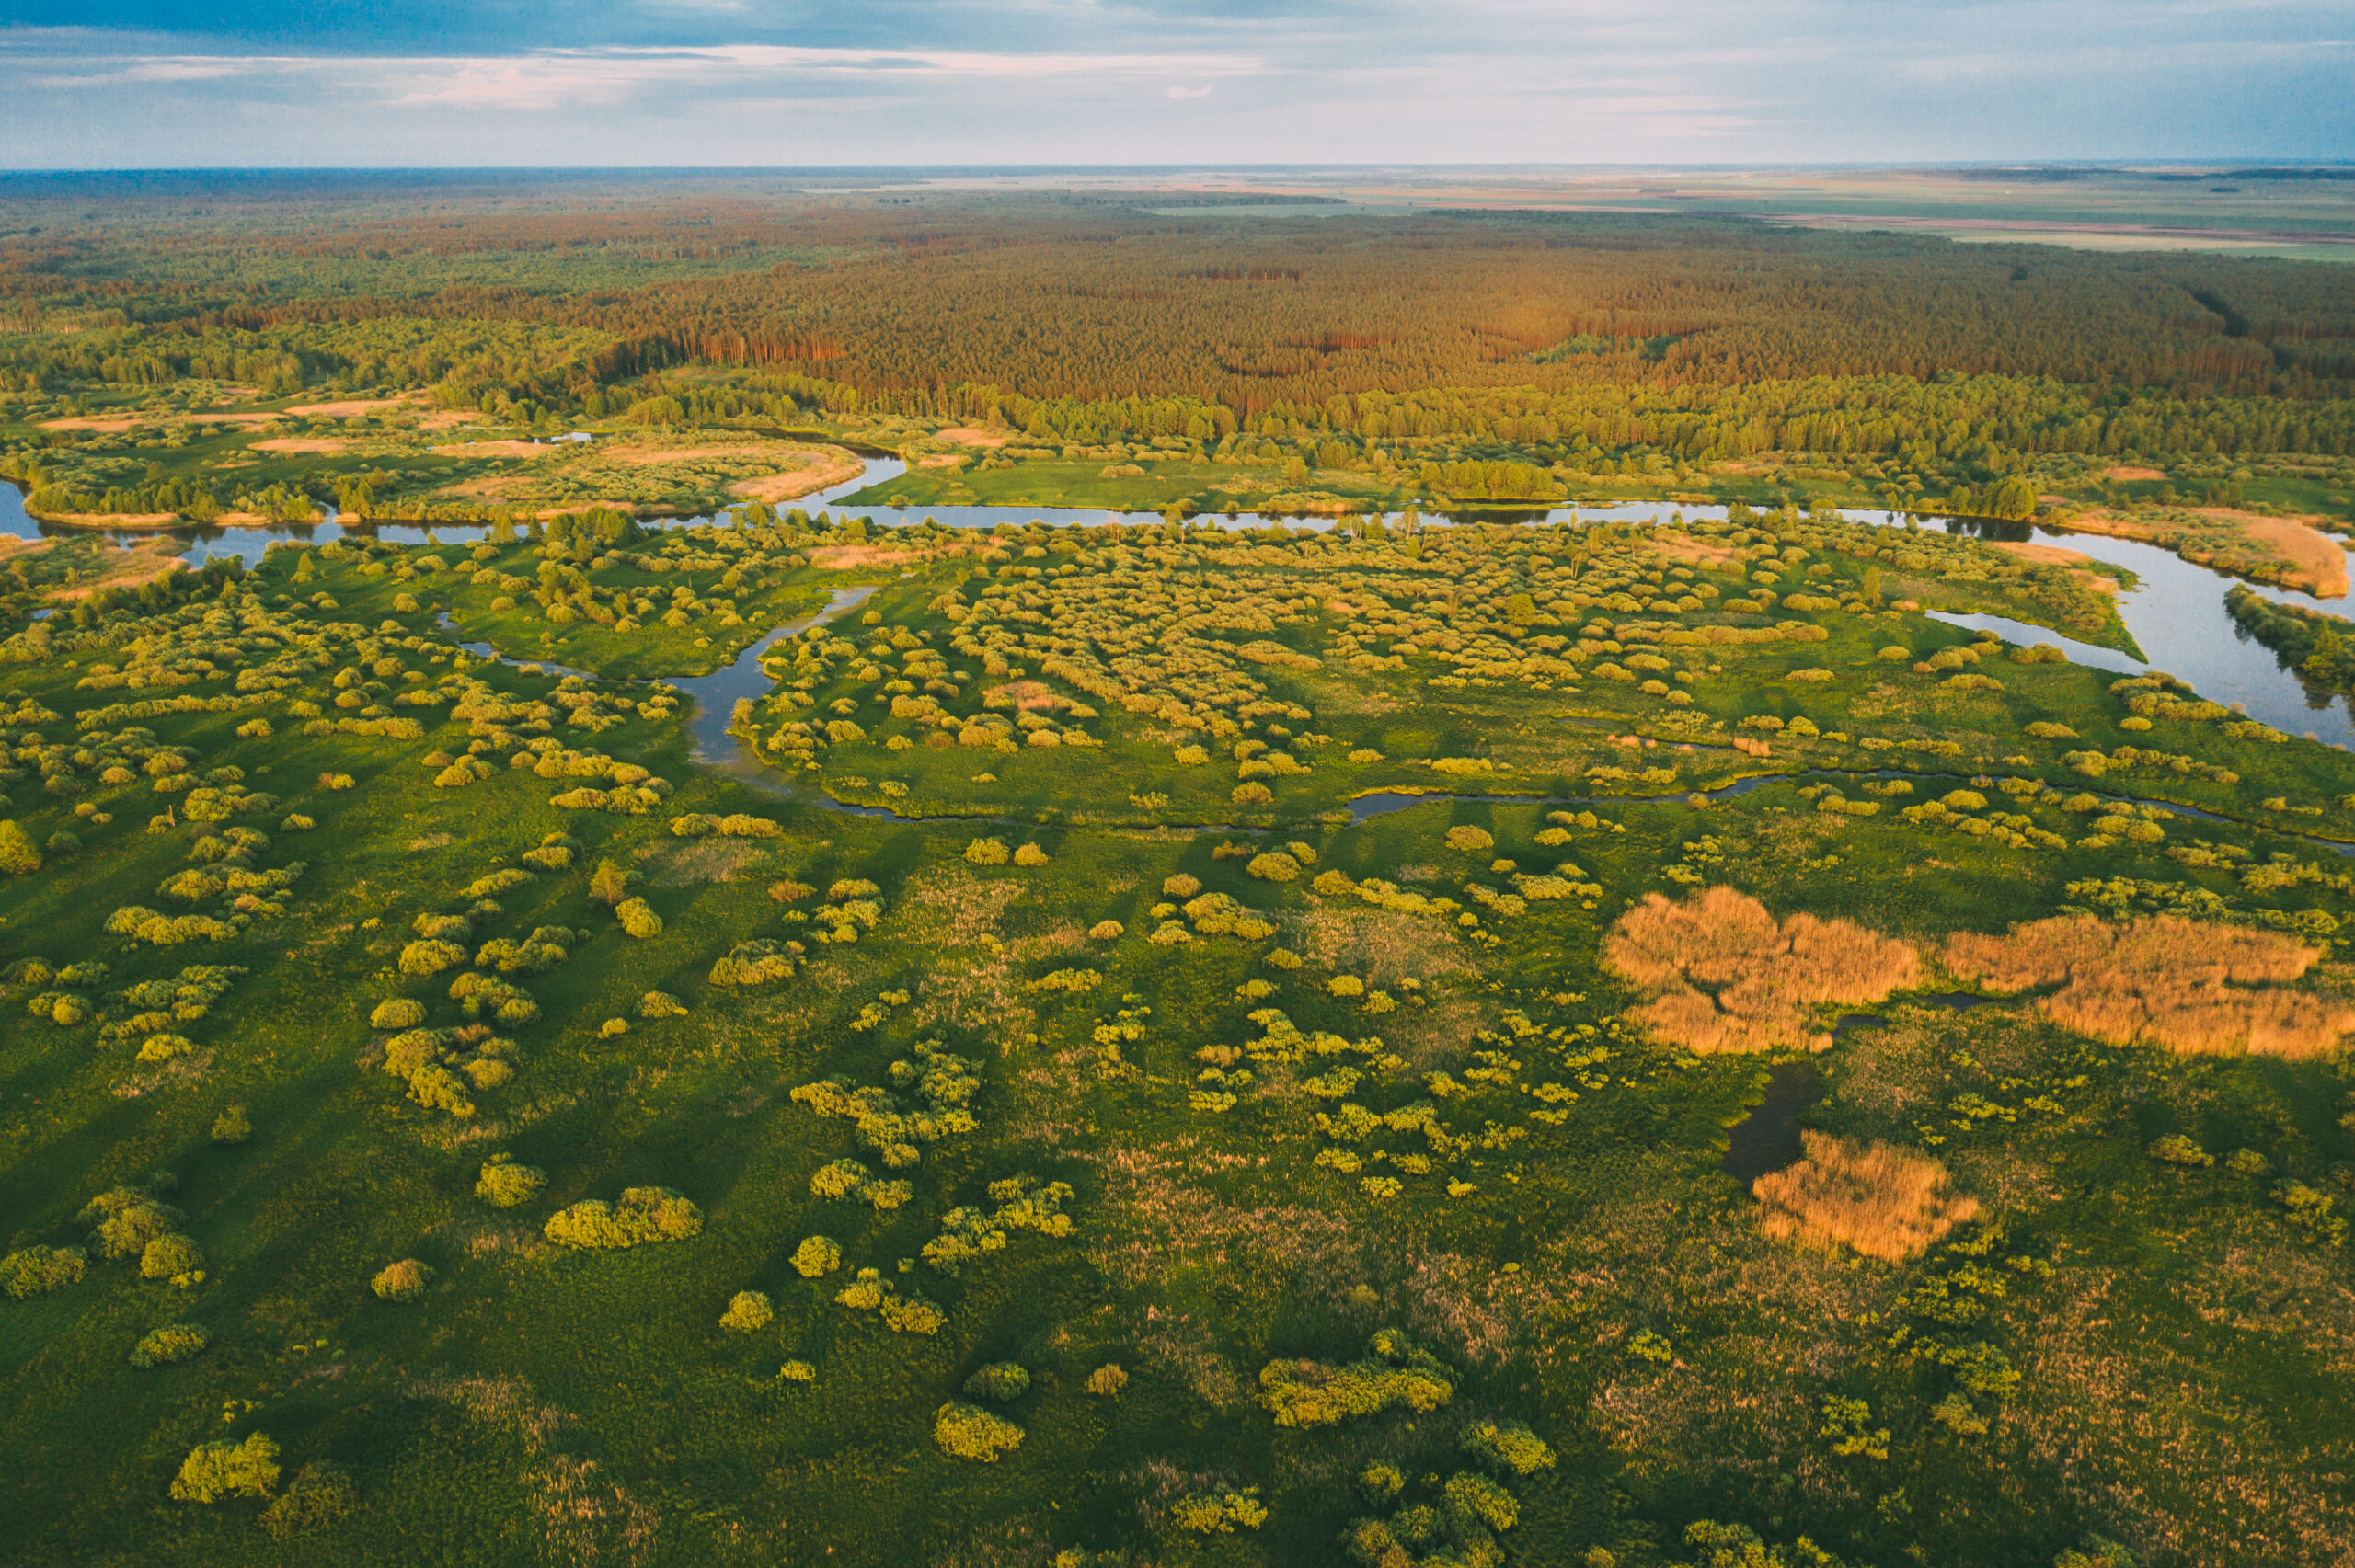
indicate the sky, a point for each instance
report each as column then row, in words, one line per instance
column 153, row 84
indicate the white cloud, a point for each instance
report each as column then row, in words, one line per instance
column 1182, row 94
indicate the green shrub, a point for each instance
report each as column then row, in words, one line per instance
column 1274, row 867
column 231, row 1125
column 503, row 1184
column 36, row 1270
column 1394, row 1372
column 642, row 1215
column 1001, row 1381
column 638, row 918
column 125, row 1221
column 403, row 1281
column 969, row 1432
column 17, row 855
column 986, row 852
column 749, row 1311
column 660, row 1004
column 422, row 958
column 214, row 1470
column 1180, row 886
column 1472, row 1496
column 397, row 1013
column 2175, row 1148
column 1507, row 1446
column 1470, row 839
column 1108, row 1379
column 1031, row 854
column 1214, row 1513
column 319, row 1495
column 169, row 1344
column 2247, row 1163
column 1251, row 795
column 816, row 1257
column 174, row 1257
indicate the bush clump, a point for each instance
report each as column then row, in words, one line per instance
column 638, row 918
column 986, row 852
column 1108, row 1379
column 969, row 1432
column 397, row 1012
column 1394, row 1372
column 503, row 1184
column 174, row 1257
column 231, row 1125
column 1001, row 1381
column 642, row 1215
column 2175, row 1149
column 1276, row 866
column 36, row 1270
column 1469, row 840
column 214, row 1470
column 817, row 1256
column 171, row 1344
column 749, row 1311
column 402, row 1281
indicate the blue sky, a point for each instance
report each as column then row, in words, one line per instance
column 154, row 83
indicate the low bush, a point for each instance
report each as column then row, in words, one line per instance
column 503, row 1184
column 168, row 1346
column 214, row 1470
column 403, row 1281
column 749, row 1311
column 817, row 1256
column 969, row 1432
column 1002, row 1381
column 642, row 1215
column 1107, row 1380
column 173, row 1257
column 36, row 1270
column 1394, row 1373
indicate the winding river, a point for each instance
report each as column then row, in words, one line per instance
column 2176, row 611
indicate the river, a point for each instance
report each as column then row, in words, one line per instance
column 2176, row 611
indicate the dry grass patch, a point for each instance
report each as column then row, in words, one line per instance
column 2161, row 981
column 500, row 449
column 1877, row 1199
column 683, row 864
column 1725, row 976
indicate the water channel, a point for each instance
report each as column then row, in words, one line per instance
column 2175, row 609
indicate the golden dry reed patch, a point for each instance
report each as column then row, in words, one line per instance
column 2162, row 980
column 1726, row 976
column 1881, row 1200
